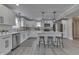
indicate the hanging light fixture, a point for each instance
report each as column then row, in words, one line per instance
column 43, row 14
column 54, row 19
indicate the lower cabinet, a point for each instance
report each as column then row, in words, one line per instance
column 5, row 44
column 23, row 36
column 32, row 34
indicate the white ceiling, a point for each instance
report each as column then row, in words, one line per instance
column 73, row 14
column 34, row 10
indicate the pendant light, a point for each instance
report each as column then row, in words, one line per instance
column 43, row 14
column 54, row 19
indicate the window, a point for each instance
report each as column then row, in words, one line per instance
column 38, row 24
column 22, row 22
column 17, row 24
column 47, row 25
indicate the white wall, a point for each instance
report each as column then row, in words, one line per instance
column 9, row 18
column 70, row 29
column 67, row 28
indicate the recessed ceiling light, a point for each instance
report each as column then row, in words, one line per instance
column 17, row 4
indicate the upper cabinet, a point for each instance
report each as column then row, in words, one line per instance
column 7, row 16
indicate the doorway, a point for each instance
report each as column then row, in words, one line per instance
column 75, row 27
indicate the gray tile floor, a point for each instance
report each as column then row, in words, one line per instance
column 29, row 47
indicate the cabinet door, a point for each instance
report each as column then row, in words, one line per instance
column 1, row 19
column 6, row 44
column 8, row 15
column 11, row 17
column 22, row 38
column 23, row 35
column 2, row 13
column 1, row 46
column 2, row 10
column 26, row 35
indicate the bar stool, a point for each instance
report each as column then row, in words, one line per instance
column 50, row 39
column 60, row 41
column 41, row 40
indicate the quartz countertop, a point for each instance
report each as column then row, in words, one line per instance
column 10, row 33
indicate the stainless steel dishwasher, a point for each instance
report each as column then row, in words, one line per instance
column 15, row 40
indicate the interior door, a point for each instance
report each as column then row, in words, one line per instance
column 76, row 28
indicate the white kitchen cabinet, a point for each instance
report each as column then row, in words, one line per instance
column 8, row 15
column 24, row 36
column 5, row 44
column 32, row 34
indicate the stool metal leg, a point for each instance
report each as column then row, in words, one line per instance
column 44, row 42
column 57, row 42
column 48, row 42
column 39, row 43
column 62, row 43
column 52, row 42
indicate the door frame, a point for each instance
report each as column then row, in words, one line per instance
column 73, row 28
